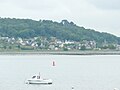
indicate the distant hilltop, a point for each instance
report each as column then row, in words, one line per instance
column 65, row 30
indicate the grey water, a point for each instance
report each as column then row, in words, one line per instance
column 90, row 72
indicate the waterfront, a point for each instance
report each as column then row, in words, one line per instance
column 76, row 52
column 89, row 72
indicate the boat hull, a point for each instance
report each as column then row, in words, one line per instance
column 47, row 81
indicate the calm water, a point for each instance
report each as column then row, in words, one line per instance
column 80, row 72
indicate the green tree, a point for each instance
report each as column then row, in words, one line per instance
column 83, row 47
column 65, row 30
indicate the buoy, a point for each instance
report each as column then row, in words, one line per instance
column 53, row 63
column 72, row 87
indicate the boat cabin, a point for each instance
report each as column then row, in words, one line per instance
column 36, row 77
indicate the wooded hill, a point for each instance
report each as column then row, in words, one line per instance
column 28, row 28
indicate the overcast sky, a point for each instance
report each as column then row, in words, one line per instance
column 100, row 15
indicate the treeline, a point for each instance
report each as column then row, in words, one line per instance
column 28, row 28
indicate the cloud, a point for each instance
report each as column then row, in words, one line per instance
column 101, row 15
column 106, row 4
column 46, row 9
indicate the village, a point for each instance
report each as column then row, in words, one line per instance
column 52, row 43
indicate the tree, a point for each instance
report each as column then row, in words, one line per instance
column 10, row 47
column 65, row 30
column 5, row 47
column 83, row 47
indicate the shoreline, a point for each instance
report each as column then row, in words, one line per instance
column 63, row 53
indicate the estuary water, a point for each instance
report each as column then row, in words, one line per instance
column 81, row 72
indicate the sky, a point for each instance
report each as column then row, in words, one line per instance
column 100, row 15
